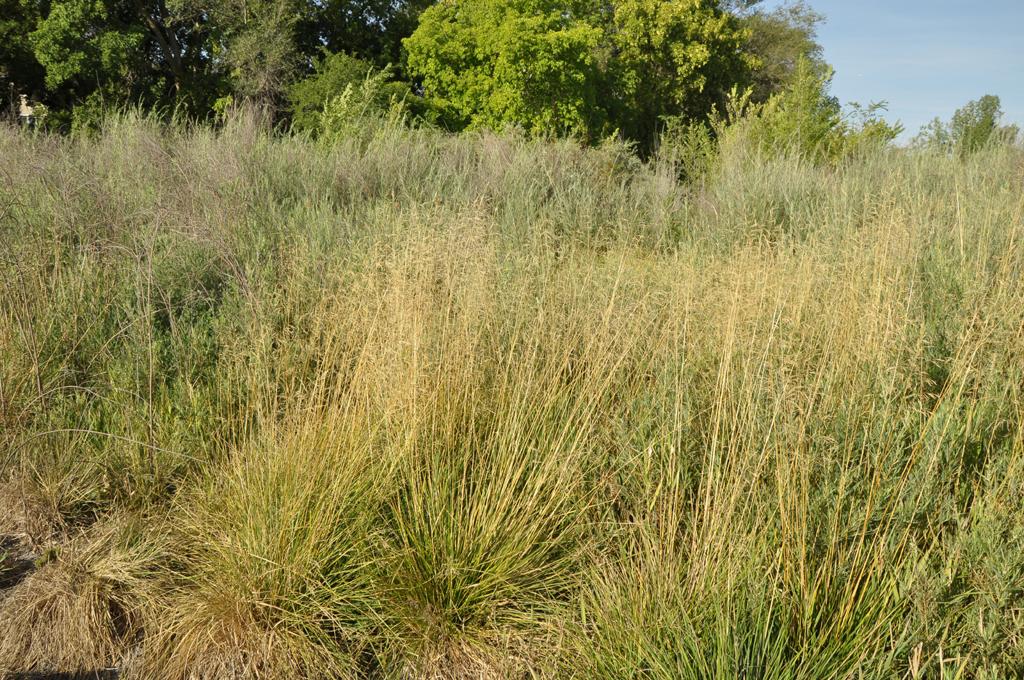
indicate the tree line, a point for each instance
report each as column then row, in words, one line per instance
column 583, row 67
column 638, row 70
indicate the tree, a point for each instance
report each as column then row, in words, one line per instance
column 167, row 52
column 20, row 72
column 264, row 45
column 777, row 40
column 973, row 126
column 123, row 50
column 372, row 30
column 583, row 68
column 88, row 54
column 671, row 59
column 494, row 63
column 256, row 42
column 94, row 51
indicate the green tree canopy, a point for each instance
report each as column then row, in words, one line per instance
column 151, row 52
column 372, row 30
column 256, row 45
column 583, row 68
column 20, row 71
column 81, row 41
column 671, row 59
column 776, row 40
column 494, row 63
column 974, row 124
column 83, row 53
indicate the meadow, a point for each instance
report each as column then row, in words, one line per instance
column 419, row 405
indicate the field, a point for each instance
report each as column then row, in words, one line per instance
column 417, row 405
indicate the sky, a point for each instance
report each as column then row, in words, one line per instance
column 926, row 58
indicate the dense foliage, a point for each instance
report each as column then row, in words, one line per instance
column 563, row 67
column 777, row 40
column 80, row 56
column 333, row 75
column 584, row 68
column 671, row 59
column 499, row 62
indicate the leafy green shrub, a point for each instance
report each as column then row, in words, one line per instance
column 361, row 110
column 686, row 149
column 332, row 75
column 972, row 128
column 344, row 87
column 805, row 120
column 867, row 131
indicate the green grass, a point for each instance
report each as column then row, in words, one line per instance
column 433, row 406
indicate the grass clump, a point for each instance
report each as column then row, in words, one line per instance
column 83, row 608
column 273, row 558
column 486, row 526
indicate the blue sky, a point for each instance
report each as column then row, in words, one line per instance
column 925, row 58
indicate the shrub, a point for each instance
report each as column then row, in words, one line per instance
column 359, row 112
column 333, row 75
column 804, row 120
column 972, row 128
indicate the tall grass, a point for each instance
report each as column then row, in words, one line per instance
column 420, row 405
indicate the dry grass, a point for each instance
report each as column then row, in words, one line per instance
column 83, row 607
column 425, row 406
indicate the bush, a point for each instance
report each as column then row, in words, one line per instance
column 337, row 76
column 972, row 128
column 360, row 111
column 687, row 150
column 806, row 121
